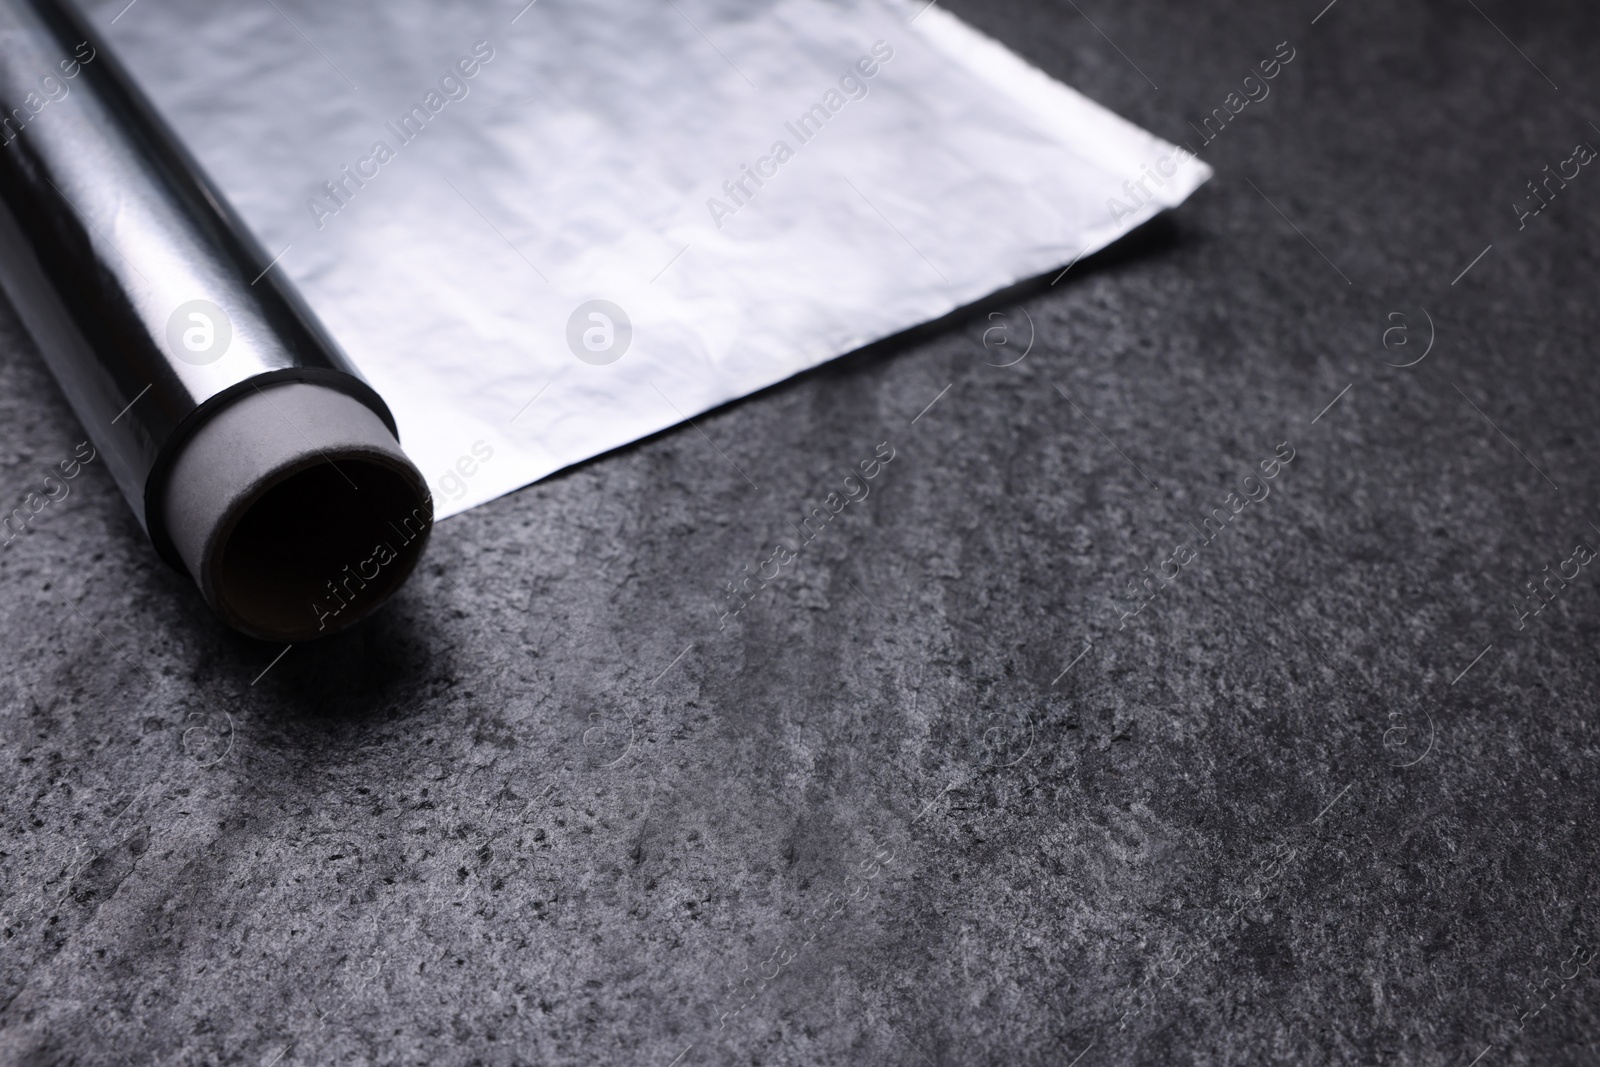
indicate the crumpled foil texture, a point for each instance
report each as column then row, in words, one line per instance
column 452, row 187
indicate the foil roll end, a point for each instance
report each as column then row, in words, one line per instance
column 296, row 512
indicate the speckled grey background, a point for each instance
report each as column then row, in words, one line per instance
column 927, row 799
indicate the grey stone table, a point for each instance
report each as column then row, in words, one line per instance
column 1022, row 760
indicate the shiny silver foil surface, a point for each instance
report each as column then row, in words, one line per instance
column 544, row 230
column 145, row 293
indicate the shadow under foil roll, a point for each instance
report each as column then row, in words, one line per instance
column 251, row 450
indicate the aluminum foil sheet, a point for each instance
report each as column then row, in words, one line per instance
column 544, row 230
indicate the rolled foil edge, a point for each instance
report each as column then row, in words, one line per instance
column 250, row 449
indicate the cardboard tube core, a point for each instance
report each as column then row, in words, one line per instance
column 296, row 512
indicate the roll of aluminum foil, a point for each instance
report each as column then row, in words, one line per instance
column 543, row 230
column 253, row 453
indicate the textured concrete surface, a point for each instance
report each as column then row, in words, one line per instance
column 937, row 794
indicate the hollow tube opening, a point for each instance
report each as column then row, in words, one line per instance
column 320, row 549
